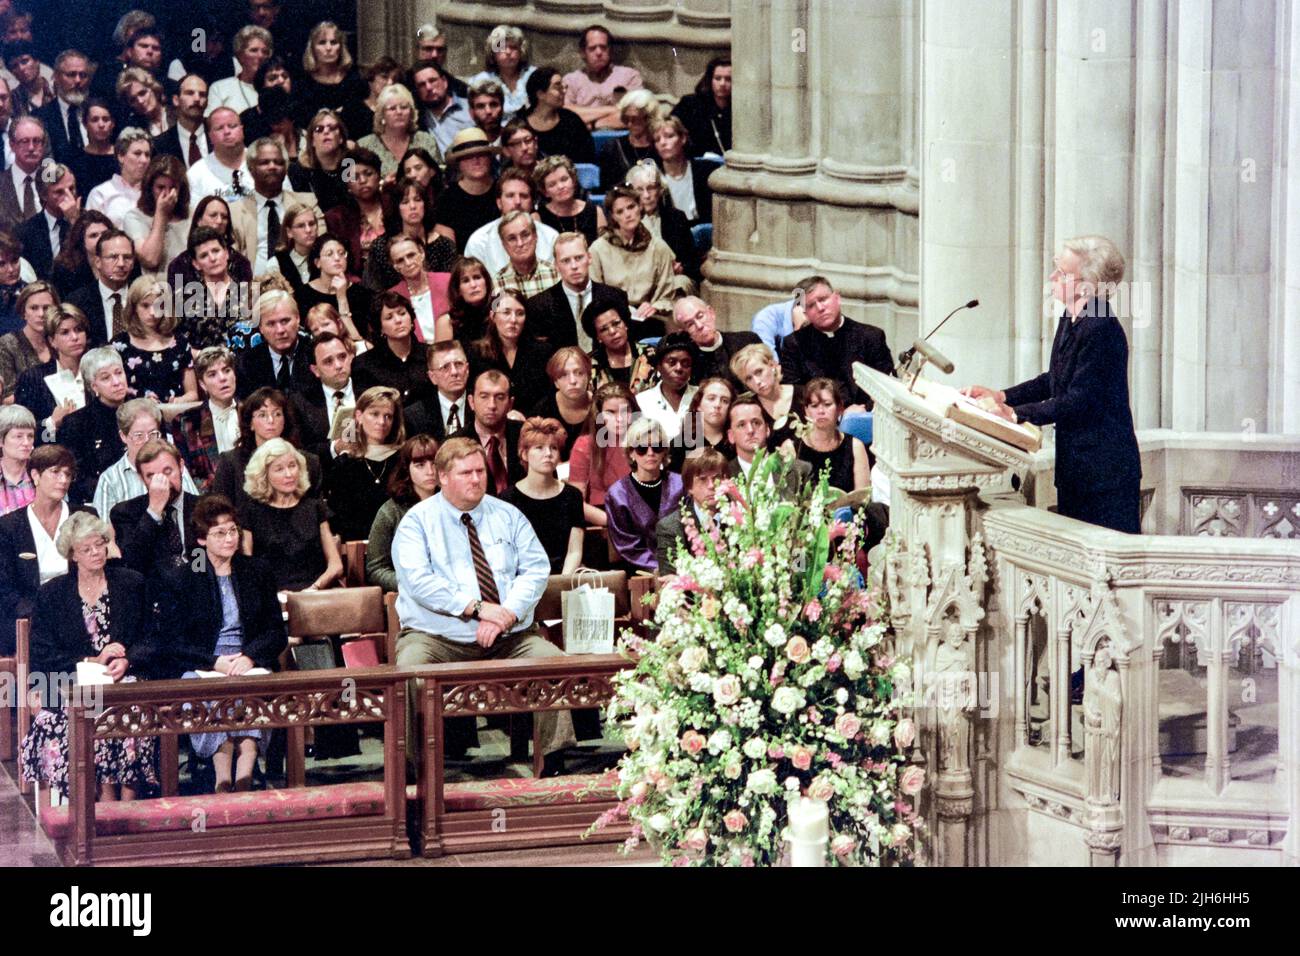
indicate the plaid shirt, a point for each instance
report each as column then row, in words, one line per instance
column 539, row 280
column 194, row 434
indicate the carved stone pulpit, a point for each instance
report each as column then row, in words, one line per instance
column 935, row 577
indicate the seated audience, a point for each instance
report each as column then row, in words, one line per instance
column 202, row 433
column 749, row 433
column 329, row 80
column 222, row 614
column 94, row 162
column 155, row 529
column 211, row 212
column 317, row 406
column 830, row 343
column 253, row 46
column 419, row 166
column 91, row 432
column 757, row 369
column 559, row 131
column 774, row 322
column 506, row 61
column 329, row 257
column 553, row 508
column 138, row 421
column 514, row 192
column 715, row 351
column 709, row 417
column 224, row 171
column 358, row 221
column 397, row 360
column 562, row 207
column 104, row 301
column 121, row 192
column 706, row 113
column 469, row 201
column 188, row 139
column 824, row 446
column 53, row 390
column 447, row 410
column 593, row 91
column 285, row 527
column 276, row 114
column 506, row 347
column 493, row 430
column 628, row 257
column 448, row 616
column 320, row 165
column 425, row 292
column 378, row 76
column 614, row 356
column 442, row 111
column 11, row 283
column 669, row 402
column 56, row 188
column 31, row 87
column 700, row 478
column 666, row 222
column 142, row 95
column 72, row 269
column 469, row 302
column 256, row 218
column 519, row 148
column 26, row 347
column 219, row 302
column 597, row 461
column 292, row 257
column 635, row 504
column 159, row 363
column 525, row 271
column 324, row 318
column 92, row 613
column 638, row 110
column 264, row 415
column 356, row 482
column 555, row 314
column 486, row 108
column 569, row 370
column 396, row 130
column 408, row 214
column 687, row 179
column 159, row 224
column 413, row 480
column 283, row 358
column 17, row 439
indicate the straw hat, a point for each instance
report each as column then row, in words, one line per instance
column 471, row 141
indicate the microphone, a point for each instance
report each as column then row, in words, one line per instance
column 934, row 356
column 906, row 357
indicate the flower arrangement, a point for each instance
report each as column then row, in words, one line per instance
column 769, row 677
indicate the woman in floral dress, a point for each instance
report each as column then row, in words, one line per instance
column 154, row 352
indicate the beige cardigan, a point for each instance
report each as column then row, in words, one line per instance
column 644, row 271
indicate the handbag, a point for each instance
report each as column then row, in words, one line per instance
column 587, row 614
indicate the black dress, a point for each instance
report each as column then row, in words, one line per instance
column 355, row 489
column 158, row 375
column 584, row 222
column 529, row 383
column 228, row 479
column 327, row 184
column 552, row 518
column 381, row 366
column 347, row 98
column 288, row 539
column 840, row 461
column 359, row 300
column 463, row 213
column 91, row 170
column 549, row 407
column 708, row 127
column 569, row 137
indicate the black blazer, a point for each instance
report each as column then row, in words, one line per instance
column 701, row 170
column 313, row 425
column 86, row 298
column 169, row 144
column 59, row 638
column 34, row 395
column 550, row 320
column 718, row 362
column 35, row 236
column 20, row 574
column 515, row 469
column 255, row 370
column 676, row 234
column 91, row 435
column 529, row 383
column 188, row 602
column 425, row 418
column 1084, row 393
column 141, row 538
column 809, row 353
column 52, row 117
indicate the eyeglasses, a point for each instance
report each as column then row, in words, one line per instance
column 269, row 415
column 145, row 436
column 647, row 449
column 223, row 533
column 326, row 128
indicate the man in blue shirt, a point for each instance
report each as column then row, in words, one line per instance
column 470, row 571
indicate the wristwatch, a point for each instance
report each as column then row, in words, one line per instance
column 478, row 607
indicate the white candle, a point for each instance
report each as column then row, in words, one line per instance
column 809, row 832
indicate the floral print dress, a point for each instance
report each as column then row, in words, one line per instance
column 130, row 762
column 158, row 375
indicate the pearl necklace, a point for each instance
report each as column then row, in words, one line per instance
column 649, row 484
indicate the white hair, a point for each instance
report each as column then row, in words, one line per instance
column 1100, row 261
column 96, row 360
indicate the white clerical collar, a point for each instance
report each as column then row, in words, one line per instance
column 831, row 334
column 714, row 347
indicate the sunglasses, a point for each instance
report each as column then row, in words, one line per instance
column 647, row 449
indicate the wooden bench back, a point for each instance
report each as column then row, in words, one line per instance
column 314, row 614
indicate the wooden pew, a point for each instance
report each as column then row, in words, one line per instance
column 8, row 703
column 511, row 813
column 345, row 821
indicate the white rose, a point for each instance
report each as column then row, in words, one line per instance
column 775, row 635
column 792, row 784
column 761, row 781
column 756, row 663
column 659, row 822
column 880, row 733
column 719, row 741
column 787, row 699
column 842, row 696
column 854, row 665
column 754, row 748
column 692, row 659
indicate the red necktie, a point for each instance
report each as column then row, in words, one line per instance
column 496, row 467
column 195, row 155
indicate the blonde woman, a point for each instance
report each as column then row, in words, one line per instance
column 396, row 131
column 757, row 368
column 281, row 525
column 253, row 47
column 331, row 81
column 356, row 483
column 156, row 357
column 298, row 232
column 563, row 209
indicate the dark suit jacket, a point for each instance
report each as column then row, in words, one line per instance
column 91, row 435
column 20, row 577
column 169, row 144
column 668, row 533
column 188, row 602
column 255, row 370
column 11, row 204
column 425, row 418
column 718, row 363
column 52, row 117
column 701, row 170
column 798, row 472
column 551, row 320
column 141, row 538
column 809, row 353
column 1084, row 393
column 34, row 395
column 313, row 426
column 34, row 234
column 59, row 638
column 87, row 300
column 515, row 468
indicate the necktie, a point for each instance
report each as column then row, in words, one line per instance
column 582, row 304
column 195, row 155
column 118, row 324
column 338, row 403
column 272, row 228
column 29, row 198
column 61, row 226
column 74, row 130
column 487, row 585
column 172, row 529
column 235, row 184
column 496, row 472
column 282, row 377
column 453, row 419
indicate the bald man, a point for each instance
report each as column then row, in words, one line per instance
column 714, row 349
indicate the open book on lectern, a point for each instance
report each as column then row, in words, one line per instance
column 950, row 403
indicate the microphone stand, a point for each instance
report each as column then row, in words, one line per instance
column 906, row 357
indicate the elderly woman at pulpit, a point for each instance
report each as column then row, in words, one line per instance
column 1084, row 392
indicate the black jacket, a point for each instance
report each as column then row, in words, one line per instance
column 1084, row 393
column 141, row 538
column 34, row 234
column 189, row 616
column 20, row 574
column 91, row 435
column 425, row 418
column 718, row 362
column 809, row 353
column 255, row 369
column 59, row 638
column 169, row 144
column 515, row 468
column 552, row 321
column 86, row 298
column 701, row 170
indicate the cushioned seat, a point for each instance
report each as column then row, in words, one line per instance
column 529, row 791
column 223, row 810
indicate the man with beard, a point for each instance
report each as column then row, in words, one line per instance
column 63, row 116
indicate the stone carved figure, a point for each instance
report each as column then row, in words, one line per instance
column 1102, row 710
column 955, row 698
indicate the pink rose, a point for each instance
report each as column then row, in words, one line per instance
column 797, row 650
column 776, row 751
column 843, row 846
column 832, row 573
column 821, row 789
column 735, row 821
column 833, row 663
column 813, row 610
column 693, row 742
column 912, row 780
column 848, row 725
column 753, row 557
column 727, row 689
column 801, row 757
column 904, row 733
column 834, row 760
column 695, row 840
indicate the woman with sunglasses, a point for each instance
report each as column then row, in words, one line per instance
column 320, row 167
column 636, row 503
